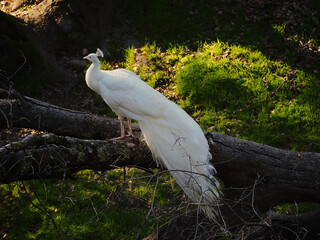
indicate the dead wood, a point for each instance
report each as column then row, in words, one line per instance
column 277, row 176
column 26, row 112
column 51, row 156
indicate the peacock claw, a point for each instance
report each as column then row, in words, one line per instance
column 117, row 138
column 126, row 136
column 132, row 136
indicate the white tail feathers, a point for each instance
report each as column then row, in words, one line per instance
column 183, row 149
column 99, row 53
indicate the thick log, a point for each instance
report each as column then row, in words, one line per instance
column 27, row 112
column 51, row 156
column 271, row 226
column 277, row 176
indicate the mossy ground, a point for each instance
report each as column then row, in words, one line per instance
column 94, row 206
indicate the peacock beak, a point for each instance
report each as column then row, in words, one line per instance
column 86, row 57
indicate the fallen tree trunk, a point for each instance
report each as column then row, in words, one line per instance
column 26, row 112
column 256, row 176
column 50, row 156
column 270, row 226
column 277, row 176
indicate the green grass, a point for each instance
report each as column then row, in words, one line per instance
column 238, row 91
column 129, row 55
column 259, row 99
column 92, row 207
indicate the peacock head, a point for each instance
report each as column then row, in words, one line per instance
column 93, row 57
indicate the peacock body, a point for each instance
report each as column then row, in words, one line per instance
column 175, row 139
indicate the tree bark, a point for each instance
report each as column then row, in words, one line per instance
column 50, row 156
column 256, row 176
column 26, row 112
column 271, row 226
column 277, row 176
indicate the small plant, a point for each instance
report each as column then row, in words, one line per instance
column 129, row 55
column 280, row 28
column 29, row 3
column 298, row 208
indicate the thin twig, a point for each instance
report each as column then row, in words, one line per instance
column 8, row 125
column 42, row 209
column 152, row 203
column 24, row 62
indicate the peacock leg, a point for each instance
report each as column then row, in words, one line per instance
column 122, row 128
column 130, row 128
column 123, row 135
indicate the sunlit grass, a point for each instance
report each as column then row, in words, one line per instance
column 129, row 55
column 238, row 91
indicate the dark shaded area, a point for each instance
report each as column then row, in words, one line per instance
column 20, row 59
column 44, row 45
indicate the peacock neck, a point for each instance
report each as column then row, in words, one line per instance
column 92, row 76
